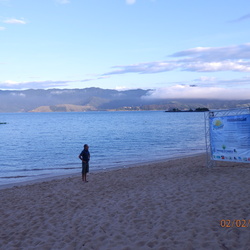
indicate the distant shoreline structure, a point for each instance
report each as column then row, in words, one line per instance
column 190, row 110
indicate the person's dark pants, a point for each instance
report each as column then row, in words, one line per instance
column 85, row 167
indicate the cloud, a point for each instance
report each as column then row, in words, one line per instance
column 2, row 28
column 144, row 68
column 33, row 84
column 216, row 54
column 191, row 92
column 42, row 84
column 205, row 88
column 60, row 92
column 208, row 81
column 216, row 66
column 14, row 21
column 63, row 1
column 122, row 88
column 200, row 59
column 237, row 82
column 130, row 1
column 18, row 94
column 242, row 18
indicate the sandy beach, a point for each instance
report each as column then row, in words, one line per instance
column 176, row 204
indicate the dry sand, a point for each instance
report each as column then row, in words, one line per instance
column 177, row 204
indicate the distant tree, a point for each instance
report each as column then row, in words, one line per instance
column 201, row 109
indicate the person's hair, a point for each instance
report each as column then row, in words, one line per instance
column 85, row 145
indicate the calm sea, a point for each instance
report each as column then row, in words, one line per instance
column 37, row 145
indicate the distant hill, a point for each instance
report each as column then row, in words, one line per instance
column 63, row 108
column 90, row 99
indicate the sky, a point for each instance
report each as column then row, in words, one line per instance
column 175, row 48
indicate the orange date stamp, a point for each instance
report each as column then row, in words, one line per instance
column 235, row 223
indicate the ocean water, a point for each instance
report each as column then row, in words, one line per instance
column 37, row 145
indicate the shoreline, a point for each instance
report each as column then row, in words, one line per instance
column 52, row 177
column 176, row 204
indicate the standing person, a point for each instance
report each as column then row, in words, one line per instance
column 85, row 157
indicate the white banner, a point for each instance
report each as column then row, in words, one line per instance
column 230, row 138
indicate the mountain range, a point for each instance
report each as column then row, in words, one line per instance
column 90, row 99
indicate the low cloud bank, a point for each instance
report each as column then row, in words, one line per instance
column 194, row 92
